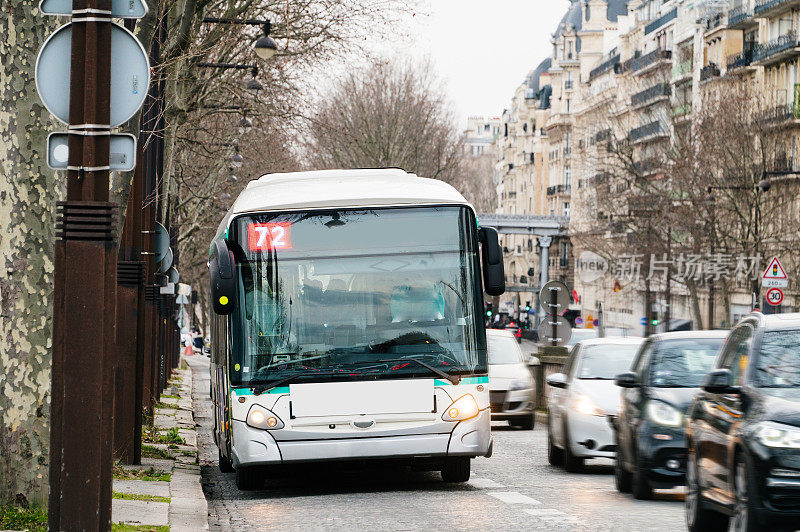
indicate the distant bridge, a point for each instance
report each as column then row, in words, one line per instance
column 544, row 227
column 526, row 224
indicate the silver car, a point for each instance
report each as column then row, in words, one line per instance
column 581, row 399
column 512, row 391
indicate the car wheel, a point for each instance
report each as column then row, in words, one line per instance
column 745, row 511
column 554, row 455
column 224, row 464
column 456, row 469
column 640, row 486
column 572, row 463
column 622, row 477
column 249, row 478
column 527, row 422
column 699, row 519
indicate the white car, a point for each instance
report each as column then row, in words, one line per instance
column 512, row 391
column 583, row 397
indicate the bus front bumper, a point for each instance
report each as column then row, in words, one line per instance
column 253, row 447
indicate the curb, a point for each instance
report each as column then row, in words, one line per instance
column 188, row 509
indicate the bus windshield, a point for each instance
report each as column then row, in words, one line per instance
column 349, row 294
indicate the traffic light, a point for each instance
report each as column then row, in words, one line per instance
column 527, row 306
column 488, row 309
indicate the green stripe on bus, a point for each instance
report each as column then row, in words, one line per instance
column 248, row 391
column 465, row 380
column 436, row 382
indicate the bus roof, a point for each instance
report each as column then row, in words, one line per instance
column 320, row 189
column 342, row 188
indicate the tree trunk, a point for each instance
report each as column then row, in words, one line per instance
column 695, row 304
column 28, row 194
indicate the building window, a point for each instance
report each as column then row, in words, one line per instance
column 565, row 209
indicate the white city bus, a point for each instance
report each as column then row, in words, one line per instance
column 347, row 323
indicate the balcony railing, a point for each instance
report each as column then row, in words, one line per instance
column 605, row 66
column 602, row 135
column 638, row 63
column 742, row 59
column 647, row 130
column 780, row 113
column 551, row 191
column 775, row 46
column 709, row 71
column 646, row 167
column 715, row 21
column 681, row 110
column 682, row 69
column 738, row 15
column 766, row 5
column 648, row 95
column 660, row 21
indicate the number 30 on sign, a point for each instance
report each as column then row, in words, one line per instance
column 269, row 236
column 774, row 296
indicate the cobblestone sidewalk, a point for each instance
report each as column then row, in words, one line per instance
column 165, row 491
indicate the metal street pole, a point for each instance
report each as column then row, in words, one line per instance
column 84, row 290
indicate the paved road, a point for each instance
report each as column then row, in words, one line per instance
column 514, row 490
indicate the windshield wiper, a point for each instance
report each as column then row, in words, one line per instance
column 455, row 379
column 258, row 389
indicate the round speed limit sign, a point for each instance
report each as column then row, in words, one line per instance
column 774, row 296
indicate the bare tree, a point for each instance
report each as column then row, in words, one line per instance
column 387, row 113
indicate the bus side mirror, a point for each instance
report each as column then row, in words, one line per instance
column 494, row 282
column 223, row 281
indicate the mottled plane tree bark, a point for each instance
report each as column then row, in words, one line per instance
column 28, row 194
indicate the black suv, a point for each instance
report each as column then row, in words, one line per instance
column 743, row 431
column 666, row 374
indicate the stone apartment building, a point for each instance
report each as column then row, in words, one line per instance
column 636, row 71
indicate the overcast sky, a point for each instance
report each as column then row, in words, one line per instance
column 483, row 50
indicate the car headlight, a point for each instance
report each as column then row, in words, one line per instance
column 664, row 414
column 521, row 384
column 582, row 404
column 773, row 434
column 462, row 408
column 262, row 418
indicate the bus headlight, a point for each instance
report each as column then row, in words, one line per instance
column 462, row 408
column 261, row 418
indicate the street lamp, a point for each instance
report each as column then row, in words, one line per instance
column 253, row 84
column 236, row 159
column 265, row 46
column 244, row 125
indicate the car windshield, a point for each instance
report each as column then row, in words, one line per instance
column 606, row 361
column 503, row 349
column 581, row 334
column 778, row 363
column 683, row 363
column 344, row 294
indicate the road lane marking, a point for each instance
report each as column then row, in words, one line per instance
column 484, row 483
column 541, row 512
column 513, row 497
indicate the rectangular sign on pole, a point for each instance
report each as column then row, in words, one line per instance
column 122, row 157
column 119, row 8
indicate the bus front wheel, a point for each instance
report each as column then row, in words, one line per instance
column 456, row 469
column 249, row 478
column 224, row 464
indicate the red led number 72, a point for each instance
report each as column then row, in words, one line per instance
column 262, row 237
